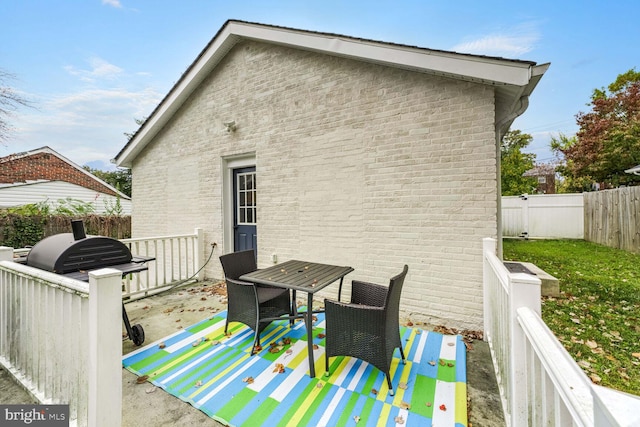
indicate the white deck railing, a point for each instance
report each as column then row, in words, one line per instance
column 540, row 383
column 62, row 339
column 50, row 325
column 177, row 259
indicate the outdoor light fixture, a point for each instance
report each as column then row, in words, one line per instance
column 230, row 126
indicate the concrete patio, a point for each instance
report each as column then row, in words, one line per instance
column 163, row 314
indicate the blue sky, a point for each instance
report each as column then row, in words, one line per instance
column 90, row 67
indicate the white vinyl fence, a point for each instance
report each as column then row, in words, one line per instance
column 177, row 259
column 62, row 339
column 559, row 216
column 50, row 325
column 540, row 383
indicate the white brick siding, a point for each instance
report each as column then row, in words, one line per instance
column 357, row 164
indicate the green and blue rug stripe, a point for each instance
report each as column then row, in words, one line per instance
column 210, row 370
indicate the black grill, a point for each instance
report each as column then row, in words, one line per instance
column 75, row 254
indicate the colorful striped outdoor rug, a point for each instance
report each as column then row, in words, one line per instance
column 216, row 374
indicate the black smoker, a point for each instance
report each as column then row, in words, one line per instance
column 75, row 254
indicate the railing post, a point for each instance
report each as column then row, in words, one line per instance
column 200, row 256
column 488, row 246
column 524, row 291
column 105, row 348
column 6, row 253
column 613, row 408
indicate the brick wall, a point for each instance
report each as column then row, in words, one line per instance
column 357, row 164
column 16, row 168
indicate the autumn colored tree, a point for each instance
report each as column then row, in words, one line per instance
column 608, row 141
column 569, row 183
column 514, row 163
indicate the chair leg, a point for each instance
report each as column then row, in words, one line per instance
column 404, row 360
column 391, row 392
column 226, row 326
column 326, row 361
column 256, row 342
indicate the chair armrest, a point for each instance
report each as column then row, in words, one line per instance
column 351, row 306
column 370, row 294
column 240, row 282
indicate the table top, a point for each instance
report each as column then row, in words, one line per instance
column 299, row 275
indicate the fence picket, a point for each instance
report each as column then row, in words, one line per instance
column 612, row 218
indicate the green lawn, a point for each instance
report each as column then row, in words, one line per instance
column 597, row 316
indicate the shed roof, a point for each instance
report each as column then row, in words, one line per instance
column 541, row 170
column 514, row 80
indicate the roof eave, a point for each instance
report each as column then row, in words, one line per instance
column 507, row 75
column 515, row 99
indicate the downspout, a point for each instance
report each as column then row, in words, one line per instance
column 502, row 127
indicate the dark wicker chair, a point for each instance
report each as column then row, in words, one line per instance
column 368, row 327
column 253, row 305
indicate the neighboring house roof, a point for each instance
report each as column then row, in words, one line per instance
column 53, row 192
column 45, row 164
column 634, row 170
column 514, row 80
column 541, row 170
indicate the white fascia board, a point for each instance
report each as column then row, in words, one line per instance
column 490, row 70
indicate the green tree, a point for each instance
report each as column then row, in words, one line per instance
column 608, row 141
column 513, row 163
column 119, row 179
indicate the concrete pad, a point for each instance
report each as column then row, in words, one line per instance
column 550, row 286
column 164, row 314
column 160, row 316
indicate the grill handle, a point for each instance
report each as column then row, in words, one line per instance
column 78, row 229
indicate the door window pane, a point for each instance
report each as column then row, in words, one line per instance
column 247, row 192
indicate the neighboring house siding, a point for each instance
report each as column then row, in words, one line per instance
column 358, row 164
column 47, row 166
column 54, row 191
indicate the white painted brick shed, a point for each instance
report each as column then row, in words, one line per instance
column 368, row 154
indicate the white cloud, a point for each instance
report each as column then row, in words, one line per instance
column 85, row 126
column 512, row 42
column 114, row 3
column 99, row 69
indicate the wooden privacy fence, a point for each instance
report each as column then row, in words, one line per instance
column 612, row 218
column 17, row 230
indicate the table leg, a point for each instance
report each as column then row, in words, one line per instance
column 340, row 289
column 312, row 367
column 294, row 308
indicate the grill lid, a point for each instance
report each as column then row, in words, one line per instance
column 62, row 253
column 75, row 254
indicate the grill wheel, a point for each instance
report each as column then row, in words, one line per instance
column 137, row 334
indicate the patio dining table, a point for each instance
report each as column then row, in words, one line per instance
column 302, row 276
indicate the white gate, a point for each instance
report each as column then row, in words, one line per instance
column 559, row 216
